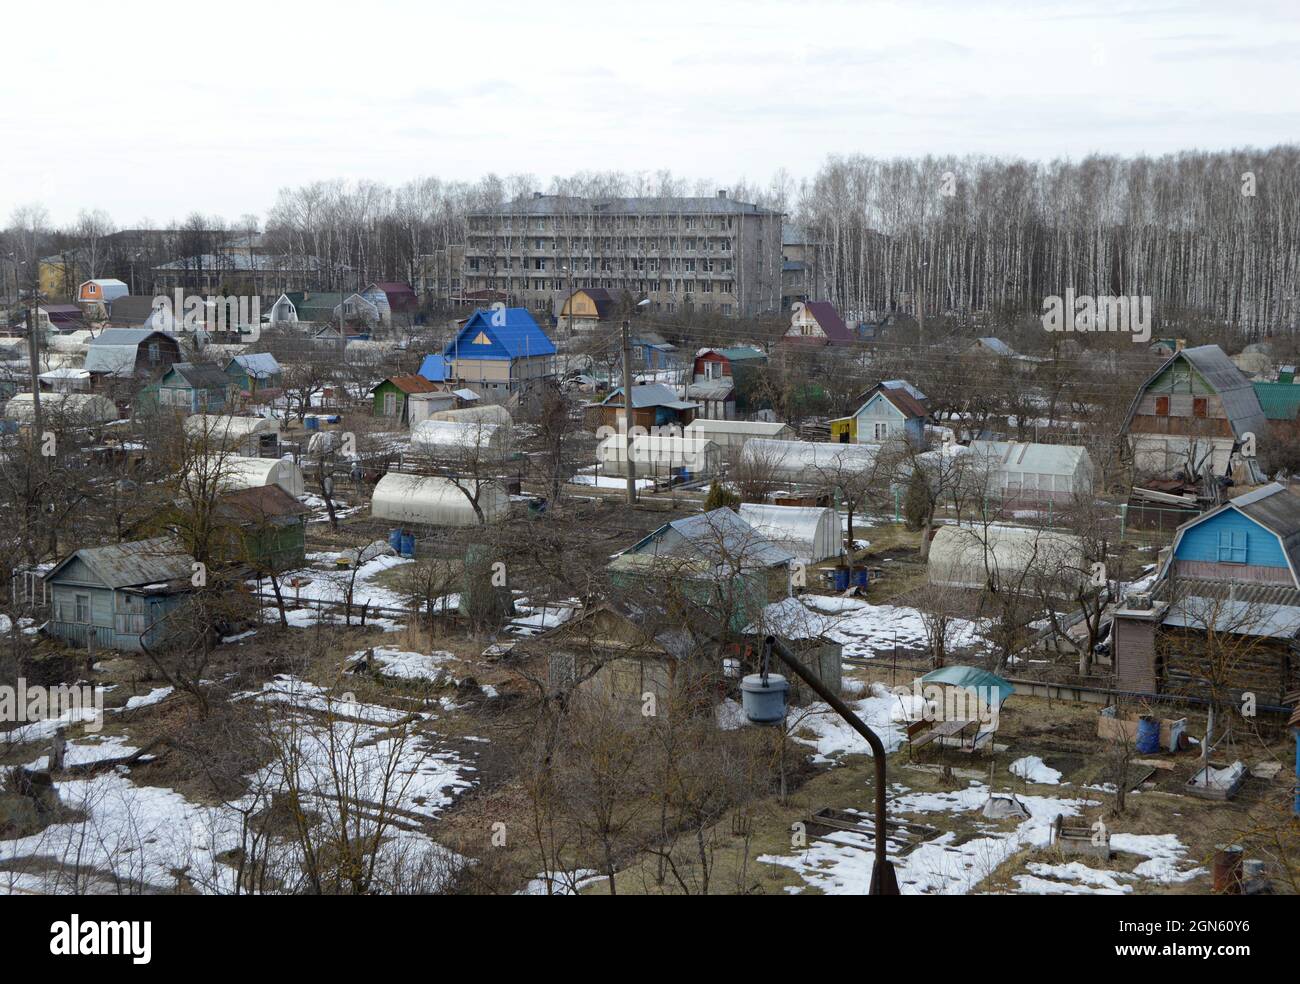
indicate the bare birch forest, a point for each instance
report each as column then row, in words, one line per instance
column 1216, row 234
column 1211, row 235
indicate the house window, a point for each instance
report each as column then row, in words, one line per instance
column 1162, row 406
column 713, row 370
column 153, row 352
column 1232, row 546
column 1198, row 406
column 881, row 430
column 390, row 404
column 83, row 608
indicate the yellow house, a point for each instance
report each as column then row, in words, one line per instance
column 586, row 308
column 844, row 430
column 58, row 276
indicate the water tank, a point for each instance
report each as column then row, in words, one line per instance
column 764, row 701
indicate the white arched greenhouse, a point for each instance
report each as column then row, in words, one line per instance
column 1011, row 556
column 428, row 501
column 78, row 408
column 735, row 433
column 659, row 456
column 225, row 432
column 493, row 413
column 460, row 439
column 810, row 533
column 236, row 473
column 807, row 462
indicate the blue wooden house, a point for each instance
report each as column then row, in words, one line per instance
column 1224, row 612
column 890, row 411
column 254, row 371
column 114, row 596
column 194, row 387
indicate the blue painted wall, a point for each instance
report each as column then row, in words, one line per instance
column 1201, row 542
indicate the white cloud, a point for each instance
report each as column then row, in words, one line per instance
column 160, row 109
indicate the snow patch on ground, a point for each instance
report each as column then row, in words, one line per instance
column 1031, row 768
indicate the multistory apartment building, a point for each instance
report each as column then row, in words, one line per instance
column 712, row 255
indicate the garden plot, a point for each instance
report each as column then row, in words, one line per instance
column 867, row 630
column 138, row 838
column 950, row 864
column 960, row 860
column 330, row 586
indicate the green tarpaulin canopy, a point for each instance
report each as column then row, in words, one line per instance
column 970, row 678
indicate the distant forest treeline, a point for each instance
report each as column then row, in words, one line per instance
column 1210, row 235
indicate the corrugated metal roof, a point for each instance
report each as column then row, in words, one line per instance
column 124, row 565
column 1277, row 509
column 409, row 383
column 721, row 537
column 1172, row 589
column 648, row 395
column 517, row 336
column 200, row 375
column 906, row 403
column 739, row 353
column 1212, row 364
column 829, row 320
column 258, row 504
column 113, row 353
column 258, row 365
column 1279, row 401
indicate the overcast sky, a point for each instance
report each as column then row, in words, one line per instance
column 153, row 110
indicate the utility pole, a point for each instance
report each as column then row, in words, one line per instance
column 33, row 350
column 627, row 415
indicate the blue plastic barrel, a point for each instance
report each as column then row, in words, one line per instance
column 312, row 423
column 860, row 576
column 764, row 704
column 395, row 540
column 841, row 578
column 1148, row 736
column 408, row 545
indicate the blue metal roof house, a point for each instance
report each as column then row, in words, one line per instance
column 502, row 354
column 1231, row 574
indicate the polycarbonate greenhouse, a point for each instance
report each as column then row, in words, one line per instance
column 807, row 462
column 84, row 408
column 735, row 433
column 249, row 473
column 659, row 456
column 428, row 501
column 810, row 533
column 459, row 438
column 229, row 431
column 491, row 414
column 1008, row 556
